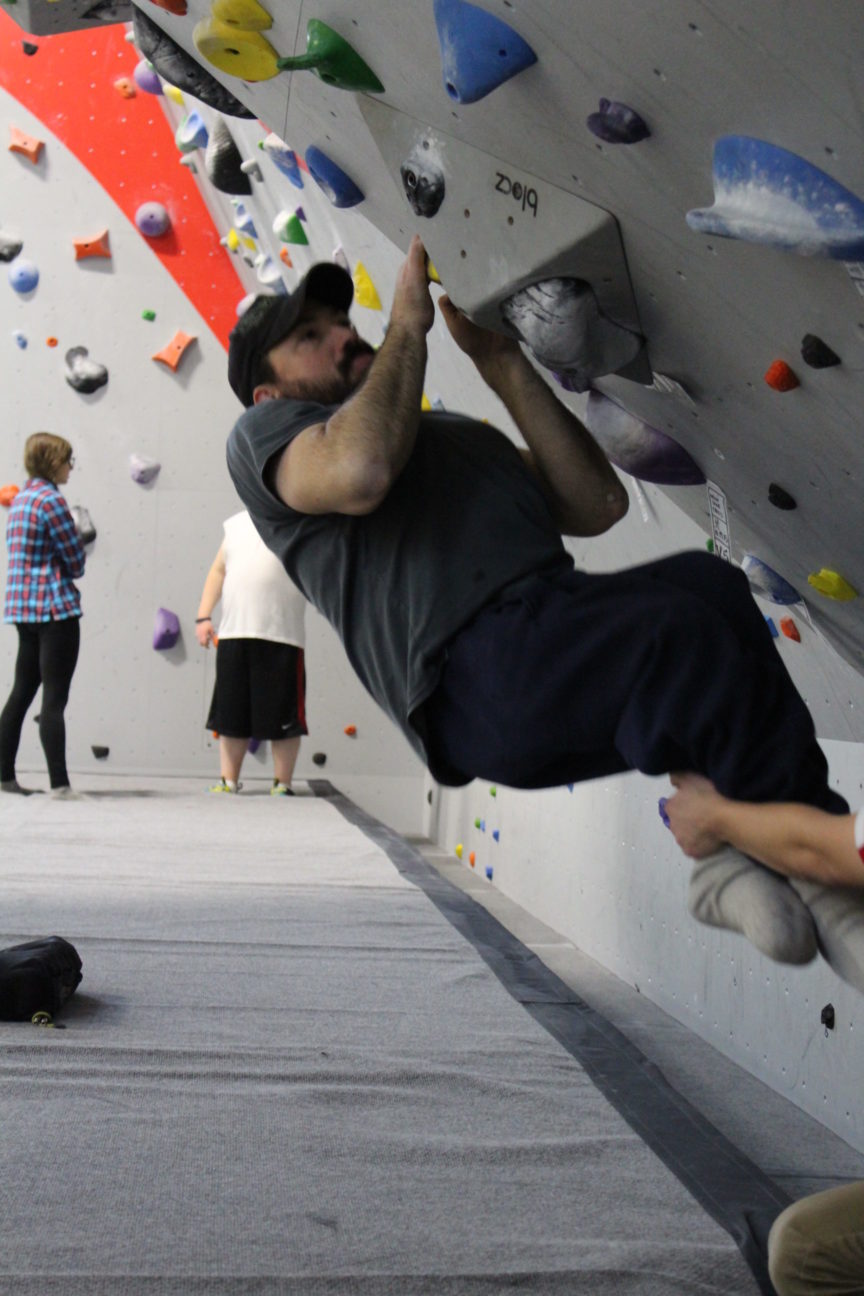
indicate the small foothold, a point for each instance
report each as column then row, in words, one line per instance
column 775, row 633
column 166, row 631
column 192, row 133
column 268, row 273
column 319, row 758
column 241, row 53
column 828, row 1017
column 617, row 124
column 148, row 315
column 223, row 162
column 479, row 52
column 176, row 96
column 29, row 48
column 23, row 275
column 365, row 292
column 336, row 183
column 780, row 498
column 790, row 629
column 188, row 160
column 341, row 259
column 764, row 580
column 27, row 145
column 832, row 585
column 142, row 469
column 253, row 745
column 432, row 274
column 300, row 214
column 493, row 791
column 285, row 258
column 350, row 730
column 288, row 228
column 458, row 851
column 20, row 339
column 152, row 219
column 251, row 168
column 82, row 374
column 425, row 403
column 496, row 835
column 176, row 7
column 172, row 353
column 147, row 78
column 283, row 158
column 243, row 221
column 781, row 377
column 101, row 753
column 661, row 810
column 51, row 341
column 817, row 354
column 10, row 246
column 126, row 87
column 332, row 59
column 489, row 872
column 472, row 858
column 92, row 247
column 7, row 494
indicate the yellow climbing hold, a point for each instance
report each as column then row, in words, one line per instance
column 171, row 92
column 425, row 404
column 245, row 54
column 246, row 15
column 365, row 292
column 232, row 240
column 459, row 851
column 832, row 585
column 431, row 273
column 249, row 243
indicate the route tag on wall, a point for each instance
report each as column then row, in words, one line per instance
column 719, row 522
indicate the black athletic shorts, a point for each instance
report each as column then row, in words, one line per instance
column 260, row 690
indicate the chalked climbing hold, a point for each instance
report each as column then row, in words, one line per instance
column 83, row 374
column 173, row 352
column 251, row 168
column 832, row 585
column 268, row 273
column 142, row 469
column 97, row 246
column 287, row 226
column 10, row 246
column 764, row 580
column 765, row 194
column 365, row 292
column 817, row 354
column 637, row 448
column 23, row 275
column 180, row 69
column 561, row 323
column 780, row 498
column 336, row 184
column 781, row 377
column 243, row 221
column 341, row 259
column 147, row 78
column 27, row 145
column 166, row 631
column 283, row 157
column 241, row 53
column 83, row 524
column 152, row 219
column 331, row 58
column 479, row 52
column 422, row 175
column 617, row 124
column 223, row 163
column 192, row 133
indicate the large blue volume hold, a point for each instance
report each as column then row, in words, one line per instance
column 478, row 51
column 339, row 187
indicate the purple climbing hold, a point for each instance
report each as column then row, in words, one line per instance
column 166, row 631
column 147, row 78
column 253, row 745
column 479, row 52
column 617, row 124
column 661, row 810
column 637, row 448
column 152, row 219
column 142, row 469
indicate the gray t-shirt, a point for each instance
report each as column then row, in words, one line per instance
column 464, row 520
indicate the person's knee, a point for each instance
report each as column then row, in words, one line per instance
column 789, row 1249
column 817, row 1244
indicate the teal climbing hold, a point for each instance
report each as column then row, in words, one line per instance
column 765, row 194
column 479, row 52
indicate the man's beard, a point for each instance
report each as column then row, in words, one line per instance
column 335, row 390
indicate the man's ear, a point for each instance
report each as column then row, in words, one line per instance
column 264, row 394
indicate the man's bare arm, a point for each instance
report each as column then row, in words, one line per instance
column 583, row 489
column 348, row 464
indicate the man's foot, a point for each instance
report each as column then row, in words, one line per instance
column 838, row 913
column 12, row 785
column 729, row 890
column 280, row 789
column 225, row 785
column 66, row 793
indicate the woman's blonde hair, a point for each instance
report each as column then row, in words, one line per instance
column 45, row 454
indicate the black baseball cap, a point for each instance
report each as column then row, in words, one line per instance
column 269, row 320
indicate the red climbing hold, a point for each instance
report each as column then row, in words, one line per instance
column 781, row 377
column 790, row 630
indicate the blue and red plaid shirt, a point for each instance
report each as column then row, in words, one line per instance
column 45, row 554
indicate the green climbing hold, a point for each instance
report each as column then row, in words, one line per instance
column 148, row 314
column 332, row 59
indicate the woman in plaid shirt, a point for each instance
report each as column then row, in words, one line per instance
column 45, row 556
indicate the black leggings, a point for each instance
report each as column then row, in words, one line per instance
column 47, row 655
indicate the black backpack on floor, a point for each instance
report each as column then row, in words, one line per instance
column 37, row 977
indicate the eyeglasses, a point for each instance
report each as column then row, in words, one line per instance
column 71, row 461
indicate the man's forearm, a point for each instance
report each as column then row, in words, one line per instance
column 797, row 840
column 587, row 496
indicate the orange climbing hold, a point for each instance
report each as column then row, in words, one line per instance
column 51, row 341
column 472, row 859
column 350, row 730
column 92, row 247
column 781, row 377
column 284, row 256
column 177, row 7
column 27, row 145
column 126, row 87
column 790, row 630
column 7, row 494
column 173, row 352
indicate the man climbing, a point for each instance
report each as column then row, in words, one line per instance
column 434, row 547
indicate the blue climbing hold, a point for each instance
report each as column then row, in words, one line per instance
column 243, row 221
column 23, row 275
column 661, row 810
column 765, row 194
column 284, row 158
column 20, row 339
column 764, row 580
column 637, row 448
column 775, row 633
column 339, row 187
column 489, row 872
column 479, row 52
column 191, row 134
column 496, row 834
column 617, row 124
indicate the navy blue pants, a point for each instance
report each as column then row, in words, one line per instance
column 47, row 655
column 667, row 666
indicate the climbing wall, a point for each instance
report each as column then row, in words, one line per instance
column 665, row 205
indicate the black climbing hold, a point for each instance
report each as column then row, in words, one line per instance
column 423, row 179
column 224, row 163
column 9, row 246
column 617, row 124
column 828, row 1017
column 180, row 69
column 100, row 752
column 319, row 758
column 816, row 353
column 780, row 498
column 28, row 47
column 84, row 375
